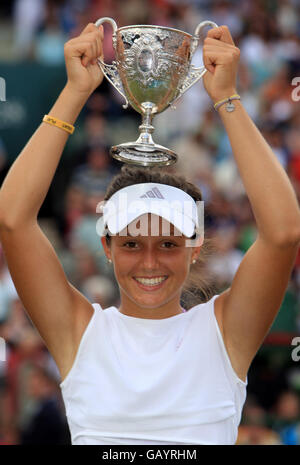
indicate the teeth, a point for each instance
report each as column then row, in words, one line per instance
column 152, row 281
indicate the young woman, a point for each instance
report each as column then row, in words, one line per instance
column 149, row 372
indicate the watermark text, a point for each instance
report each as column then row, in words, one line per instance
column 296, row 351
column 2, row 350
column 296, row 91
column 2, row 90
column 141, row 217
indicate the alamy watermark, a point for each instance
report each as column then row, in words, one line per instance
column 2, row 350
column 296, row 91
column 2, row 99
column 296, row 351
column 2, row 90
column 130, row 217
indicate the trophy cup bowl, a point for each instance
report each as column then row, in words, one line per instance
column 151, row 71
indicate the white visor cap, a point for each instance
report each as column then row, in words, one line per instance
column 168, row 202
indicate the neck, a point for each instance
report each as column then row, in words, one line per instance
column 131, row 308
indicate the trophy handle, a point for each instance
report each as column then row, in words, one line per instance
column 195, row 73
column 111, row 71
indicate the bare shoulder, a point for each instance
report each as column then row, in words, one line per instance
column 219, row 308
column 246, row 310
column 59, row 312
column 240, row 369
column 84, row 312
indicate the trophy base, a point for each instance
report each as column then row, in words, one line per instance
column 143, row 154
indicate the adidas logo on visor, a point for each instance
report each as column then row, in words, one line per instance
column 152, row 194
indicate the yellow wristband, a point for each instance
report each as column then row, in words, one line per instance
column 59, row 124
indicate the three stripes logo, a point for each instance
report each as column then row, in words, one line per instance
column 152, row 194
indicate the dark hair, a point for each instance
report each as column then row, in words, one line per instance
column 198, row 287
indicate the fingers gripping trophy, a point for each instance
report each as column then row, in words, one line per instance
column 152, row 70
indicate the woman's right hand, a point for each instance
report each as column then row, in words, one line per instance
column 81, row 53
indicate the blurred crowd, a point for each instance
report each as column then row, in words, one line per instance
column 268, row 35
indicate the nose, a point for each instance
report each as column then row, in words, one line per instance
column 150, row 258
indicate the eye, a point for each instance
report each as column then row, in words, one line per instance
column 168, row 245
column 130, row 244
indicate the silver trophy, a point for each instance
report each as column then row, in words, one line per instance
column 152, row 70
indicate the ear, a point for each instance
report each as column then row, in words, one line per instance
column 105, row 247
column 197, row 247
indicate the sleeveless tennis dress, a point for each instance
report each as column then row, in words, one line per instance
column 143, row 381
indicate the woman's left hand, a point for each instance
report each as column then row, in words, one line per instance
column 221, row 59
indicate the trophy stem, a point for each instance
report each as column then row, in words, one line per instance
column 144, row 151
column 146, row 128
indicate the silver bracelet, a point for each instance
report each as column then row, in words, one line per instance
column 229, row 105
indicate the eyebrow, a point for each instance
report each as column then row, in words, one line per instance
column 162, row 237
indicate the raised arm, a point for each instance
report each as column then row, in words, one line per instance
column 246, row 311
column 56, row 308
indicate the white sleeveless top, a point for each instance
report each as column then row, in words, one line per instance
column 143, row 381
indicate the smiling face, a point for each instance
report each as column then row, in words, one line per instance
column 151, row 271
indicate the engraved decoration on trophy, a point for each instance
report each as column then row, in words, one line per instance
column 151, row 71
